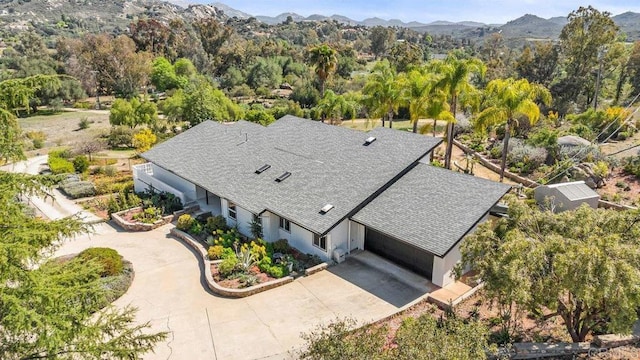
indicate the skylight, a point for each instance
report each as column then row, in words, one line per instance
column 282, row 177
column 325, row 209
column 369, row 140
column 263, row 168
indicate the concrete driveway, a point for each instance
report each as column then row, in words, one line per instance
column 168, row 290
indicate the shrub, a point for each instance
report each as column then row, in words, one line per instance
column 120, row 137
column 164, row 200
column 185, row 222
column 265, row 264
column 228, row 238
column 110, row 170
column 525, row 158
column 149, row 215
column 81, row 163
column 228, row 266
column 215, row 223
column 38, row 138
column 277, row 271
column 195, row 228
column 109, row 260
column 281, row 246
column 84, row 123
column 78, row 189
column 60, row 165
column 123, row 201
column 215, row 252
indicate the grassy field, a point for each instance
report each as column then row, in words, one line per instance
column 368, row 124
column 62, row 129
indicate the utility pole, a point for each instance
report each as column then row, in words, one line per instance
column 601, row 53
column 95, row 80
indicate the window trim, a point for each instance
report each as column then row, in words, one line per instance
column 232, row 208
column 318, row 240
column 284, row 224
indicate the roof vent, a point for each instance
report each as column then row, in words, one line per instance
column 325, row 209
column 369, row 140
column 263, row 168
column 282, row 177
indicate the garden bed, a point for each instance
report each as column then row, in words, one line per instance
column 214, row 286
column 125, row 219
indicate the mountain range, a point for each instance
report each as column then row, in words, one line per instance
column 527, row 26
column 110, row 15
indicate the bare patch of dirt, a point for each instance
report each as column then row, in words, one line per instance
column 621, row 188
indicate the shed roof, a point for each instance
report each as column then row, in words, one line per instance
column 575, row 191
column 432, row 208
column 328, row 165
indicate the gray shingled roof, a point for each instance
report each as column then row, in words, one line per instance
column 329, row 165
column 431, row 208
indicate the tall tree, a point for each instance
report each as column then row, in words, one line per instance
column 334, row 106
column 580, row 265
column 456, row 81
column 633, row 68
column 510, row 99
column 538, row 64
column 53, row 311
column 16, row 94
column 325, row 60
column 583, row 41
column 381, row 38
column 417, row 88
column 382, row 92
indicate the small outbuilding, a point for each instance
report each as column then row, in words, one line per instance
column 566, row 196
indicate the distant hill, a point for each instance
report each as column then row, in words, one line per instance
column 531, row 26
column 116, row 15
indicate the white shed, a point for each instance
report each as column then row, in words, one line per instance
column 566, row 196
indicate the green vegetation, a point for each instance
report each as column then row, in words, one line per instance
column 73, row 324
column 109, row 260
column 420, row 338
column 579, row 265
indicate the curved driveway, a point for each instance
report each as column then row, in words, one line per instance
column 168, row 291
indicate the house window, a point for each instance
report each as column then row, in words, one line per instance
column 285, row 225
column 320, row 241
column 232, row 211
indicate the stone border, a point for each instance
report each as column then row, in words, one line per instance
column 314, row 269
column 212, row 285
column 137, row 226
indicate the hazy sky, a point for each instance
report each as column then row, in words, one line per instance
column 487, row 11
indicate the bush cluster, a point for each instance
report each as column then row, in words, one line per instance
column 75, row 188
column 122, row 201
column 109, row 260
column 58, row 162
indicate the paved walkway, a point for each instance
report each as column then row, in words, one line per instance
column 57, row 206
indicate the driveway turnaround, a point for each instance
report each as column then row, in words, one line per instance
column 169, row 292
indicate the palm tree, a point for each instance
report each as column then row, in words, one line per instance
column 382, row 93
column 455, row 80
column 438, row 109
column 324, row 58
column 416, row 91
column 335, row 106
column 510, row 99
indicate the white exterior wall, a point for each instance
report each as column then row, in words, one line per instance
column 339, row 238
column 174, row 181
column 443, row 267
column 357, row 236
column 298, row 237
column 146, row 175
column 243, row 218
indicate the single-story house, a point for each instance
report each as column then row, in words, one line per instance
column 328, row 190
